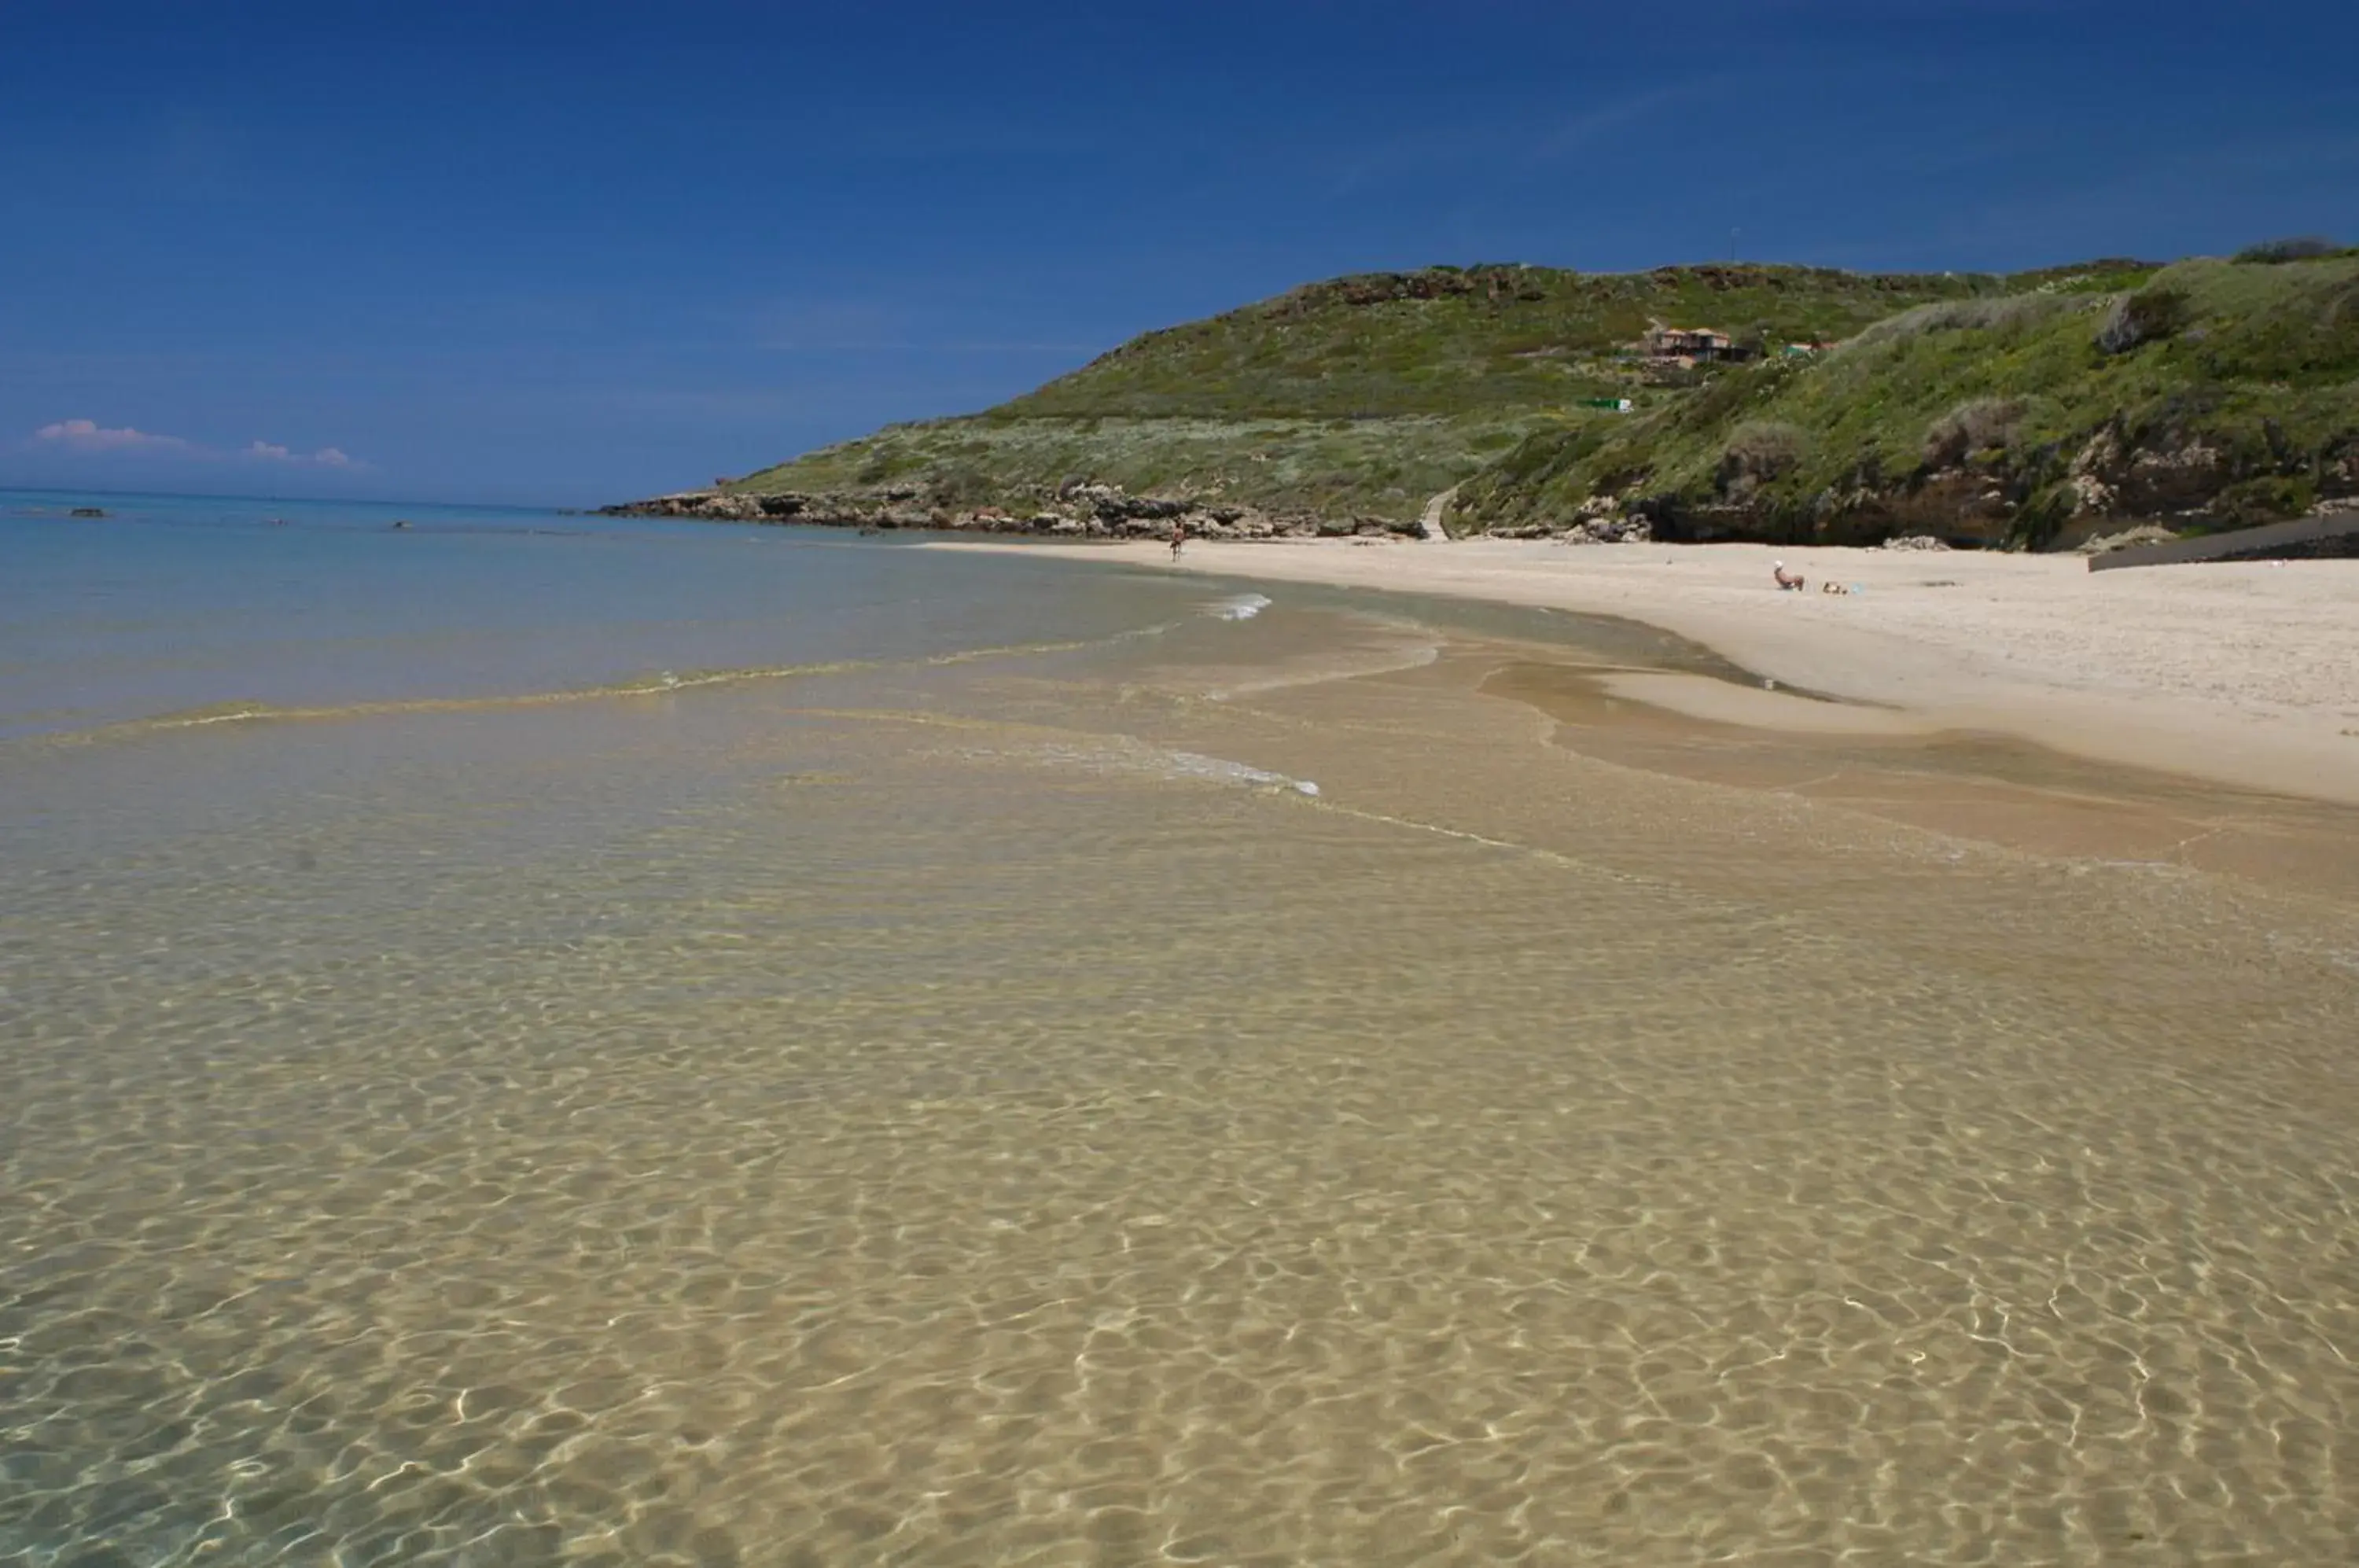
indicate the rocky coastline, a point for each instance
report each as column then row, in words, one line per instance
column 1077, row 511
column 1980, row 496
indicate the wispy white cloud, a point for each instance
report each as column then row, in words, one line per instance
column 90, row 436
column 326, row 457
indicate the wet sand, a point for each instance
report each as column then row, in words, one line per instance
column 2245, row 674
column 1890, row 766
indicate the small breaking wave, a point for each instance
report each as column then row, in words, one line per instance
column 1220, row 770
column 1238, row 607
column 1122, row 755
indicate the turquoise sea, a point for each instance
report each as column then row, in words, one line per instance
column 176, row 604
column 537, row 1038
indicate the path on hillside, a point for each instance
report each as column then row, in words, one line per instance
column 1431, row 518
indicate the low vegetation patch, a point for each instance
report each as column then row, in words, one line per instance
column 1997, row 315
column 1758, row 452
column 2147, row 316
column 1977, row 425
column 2307, row 247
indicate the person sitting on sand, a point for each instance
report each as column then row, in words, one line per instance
column 1179, row 539
column 1789, row 580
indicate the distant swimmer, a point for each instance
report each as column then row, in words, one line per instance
column 1178, row 541
column 1789, row 580
column 401, row 522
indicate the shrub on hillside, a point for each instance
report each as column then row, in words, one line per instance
column 2268, row 498
column 1759, row 452
column 2304, row 247
column 2147, row 316
column 1983, row 315
column 962, row 484
column 1977, row 425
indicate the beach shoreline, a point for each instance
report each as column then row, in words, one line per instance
column 2243, row 674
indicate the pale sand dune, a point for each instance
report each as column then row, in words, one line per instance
column 2245, row 674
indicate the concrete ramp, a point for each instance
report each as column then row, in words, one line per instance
column 2331, row 534
column 1430, row 520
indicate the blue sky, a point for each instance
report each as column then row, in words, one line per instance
column 577, row 251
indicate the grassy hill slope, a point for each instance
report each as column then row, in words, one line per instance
column 2215, row 393
column 1363, row 395
column 2023, row 410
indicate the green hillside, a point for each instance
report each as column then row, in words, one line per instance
column 1363, row 395
column 1451, row 342
column 2023, row 410
column 2219, row 393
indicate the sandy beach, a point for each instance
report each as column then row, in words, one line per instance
column 2243, row 674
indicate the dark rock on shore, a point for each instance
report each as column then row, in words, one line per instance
column 1969, row 500
column 1078, row 509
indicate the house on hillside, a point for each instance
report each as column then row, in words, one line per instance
column 1689, row 346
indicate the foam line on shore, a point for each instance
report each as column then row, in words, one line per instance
column 1239, row 606
column 658, row 684
column 1129, row 755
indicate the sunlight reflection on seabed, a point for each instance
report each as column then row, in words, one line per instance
column 752, row 1128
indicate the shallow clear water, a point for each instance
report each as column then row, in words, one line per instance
column 950, row 1109
column 192, row 607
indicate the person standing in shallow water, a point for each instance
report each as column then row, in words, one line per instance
column 1179, row 539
